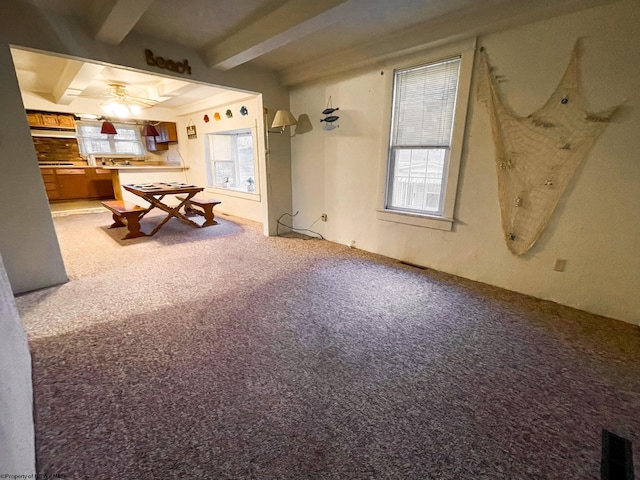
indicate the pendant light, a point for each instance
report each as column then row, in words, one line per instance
column 150, row 131
column 108, row 128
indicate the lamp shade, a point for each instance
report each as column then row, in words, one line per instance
column 284, row 118
column 108, row 128
column 150, row 131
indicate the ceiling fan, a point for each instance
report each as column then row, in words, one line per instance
column 121, row 104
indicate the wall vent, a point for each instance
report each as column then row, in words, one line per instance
column 617, row 461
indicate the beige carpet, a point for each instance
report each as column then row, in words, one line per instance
column 218, row 353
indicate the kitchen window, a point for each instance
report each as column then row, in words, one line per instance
column 127, row 142
column 427, row 128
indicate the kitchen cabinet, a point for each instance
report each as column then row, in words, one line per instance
column 152, row 145
column 50, row 183
column 73, row 183
column 100, row 185
column 167, row 132
column 66, row 121
column 35, row 119
column 51, row 120
column 77, row 183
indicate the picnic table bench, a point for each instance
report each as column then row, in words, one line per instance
column 206, row 204
column 126, row 214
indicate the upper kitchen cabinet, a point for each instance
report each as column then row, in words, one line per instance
column 51, row 120
column 167, row 132
column 152, row 145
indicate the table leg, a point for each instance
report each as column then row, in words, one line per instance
column 171, row 211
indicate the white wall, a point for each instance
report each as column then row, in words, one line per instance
column 27, row 240
column 595, row 226
column 143, row 175
column 195, row 153
column 17, row 443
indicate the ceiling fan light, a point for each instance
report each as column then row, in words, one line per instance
column 117, row 108
column 121, row 110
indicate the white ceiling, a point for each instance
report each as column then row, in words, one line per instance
column 73, row 83
column 300, row 39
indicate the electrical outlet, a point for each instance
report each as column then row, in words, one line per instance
column 560, row 265
column 323, row 217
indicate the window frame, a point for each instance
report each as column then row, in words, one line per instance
column 111, row 139
column 211, row 162
column 465, row 50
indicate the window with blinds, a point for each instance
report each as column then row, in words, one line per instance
column 424, row 104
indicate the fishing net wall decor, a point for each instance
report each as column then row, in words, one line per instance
column 537, row 155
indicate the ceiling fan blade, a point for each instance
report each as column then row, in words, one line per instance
column 143, row 102
column 120, row 92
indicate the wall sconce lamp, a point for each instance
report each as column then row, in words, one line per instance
column 150, row 131
column 108, row 128
column 282, row 120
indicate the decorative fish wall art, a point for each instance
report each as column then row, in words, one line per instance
column 330, row 119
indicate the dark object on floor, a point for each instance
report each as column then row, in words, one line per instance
column 617, row 457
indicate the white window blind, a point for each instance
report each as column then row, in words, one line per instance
column 424, row 104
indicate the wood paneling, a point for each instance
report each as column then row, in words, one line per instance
column 57, row 149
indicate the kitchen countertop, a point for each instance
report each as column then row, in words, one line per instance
column 144, row 167
column 67, row 166
column 121, row 167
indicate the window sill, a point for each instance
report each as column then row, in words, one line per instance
column 255, row 197
column 415, row 219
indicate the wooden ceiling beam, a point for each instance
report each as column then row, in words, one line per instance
column 112, row 21
column 288, row 23
column 75, row 78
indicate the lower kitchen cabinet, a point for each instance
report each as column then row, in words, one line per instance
column 100, row 185
column 73, row 183
column 50, row 183
column 77, row 183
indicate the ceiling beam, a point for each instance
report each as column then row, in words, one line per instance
column 166, row 89
column 75, row 77
column 113, row 20
column 288, row 23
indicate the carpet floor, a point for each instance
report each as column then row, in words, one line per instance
column 218, row 353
